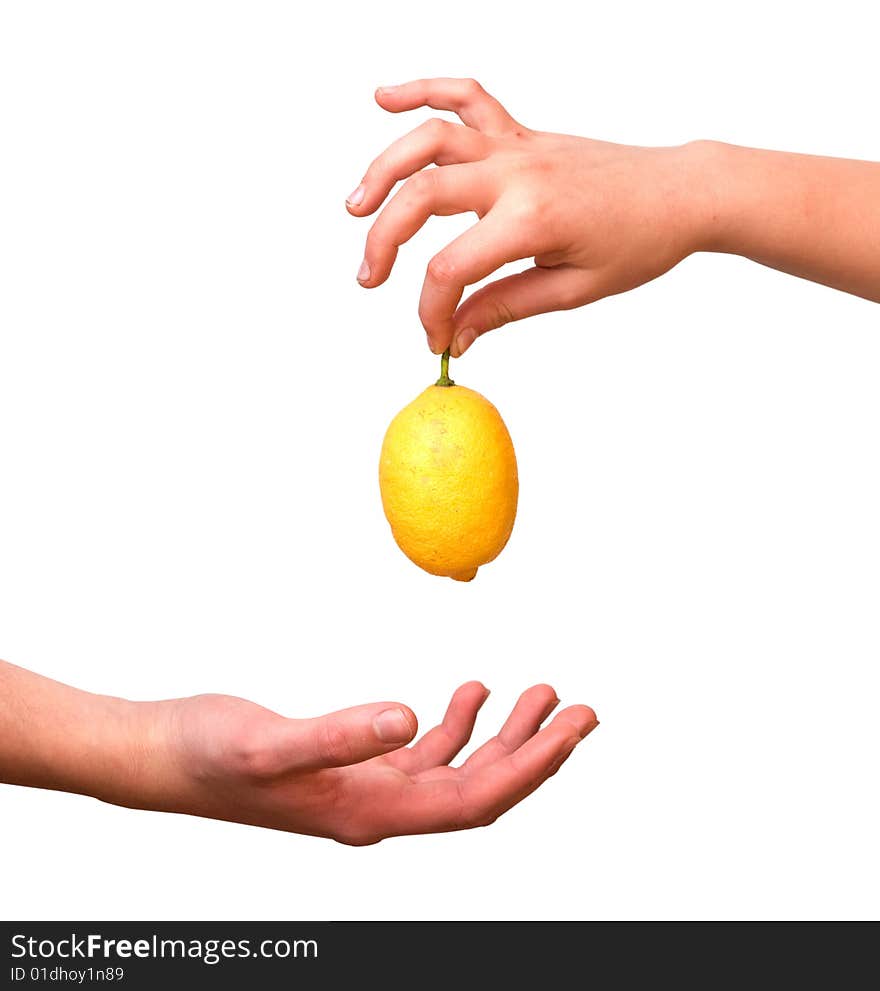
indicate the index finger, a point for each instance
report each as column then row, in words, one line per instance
column 465, row 97
column 472, row 256
column 440, row 745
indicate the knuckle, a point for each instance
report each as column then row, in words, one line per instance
column 332, row 744
column 498, row 314
column 528, row 209
column 535, row 165
column 254, row 759
column 442, row 269
column 435, row 127
column 471, row 87
column 420, row 185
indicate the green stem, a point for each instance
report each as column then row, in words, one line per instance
column 444, row 379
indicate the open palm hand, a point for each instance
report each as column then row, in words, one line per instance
column 349, row 775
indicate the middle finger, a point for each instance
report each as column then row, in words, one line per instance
column 433, row 192
column 532, row 708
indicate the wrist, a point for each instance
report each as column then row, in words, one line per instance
column 105, row 760
column 735, row 190
column 127, row 758
column 708, row 179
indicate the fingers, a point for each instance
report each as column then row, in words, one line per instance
column 497, row 788
column 472, row 256
column 345, row 737
column 532, row 708
column 466, row 801
column 437, row 141
column 440, row 744
column 537, row 290
column 441, row 192
column 465, row 97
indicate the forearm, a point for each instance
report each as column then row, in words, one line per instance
column 814, row 217
column 58, row 737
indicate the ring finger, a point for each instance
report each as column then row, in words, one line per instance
column 436, row 141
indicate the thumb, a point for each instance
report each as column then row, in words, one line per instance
column 537, row 290
column 345, row 737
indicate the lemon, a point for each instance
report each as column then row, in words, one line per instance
column 448, row 479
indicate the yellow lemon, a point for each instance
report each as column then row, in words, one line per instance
column 448, row 479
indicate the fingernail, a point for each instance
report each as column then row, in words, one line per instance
column 357, row 197
column 463, row 340
column 590, row 727
column 387, row 89
column 392, row 726
column 363, row 271
column 433, row 347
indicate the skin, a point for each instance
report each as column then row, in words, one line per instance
column 348, row 775
column 597, row 218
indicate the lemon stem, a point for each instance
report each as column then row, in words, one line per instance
column 444, row 370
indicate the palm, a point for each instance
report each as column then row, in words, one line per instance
column 306, row 776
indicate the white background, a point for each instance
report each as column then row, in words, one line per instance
column 193, row 391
